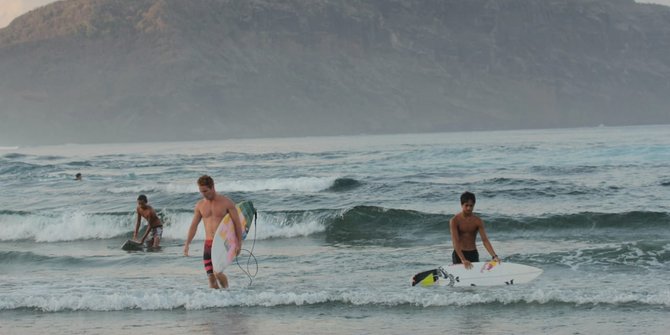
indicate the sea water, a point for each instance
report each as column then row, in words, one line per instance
column 343, row 224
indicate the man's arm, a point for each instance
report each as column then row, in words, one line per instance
column 146, row 233
column 486, row 242
column 137, row 224
column 456, row 243
column 239, row 230
column 193, row 229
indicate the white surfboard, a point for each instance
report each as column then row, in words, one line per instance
column 246, row 213
column 481, row 274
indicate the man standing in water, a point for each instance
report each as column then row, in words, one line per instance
column 155, row 225
column 211, row 210
column 464, row 227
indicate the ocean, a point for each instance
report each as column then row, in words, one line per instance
column 343, row 224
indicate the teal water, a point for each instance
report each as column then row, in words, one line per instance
column 344, row 222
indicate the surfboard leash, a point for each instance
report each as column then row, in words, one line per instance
column 251, row 255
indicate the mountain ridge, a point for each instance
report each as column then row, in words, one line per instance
column 154, row 70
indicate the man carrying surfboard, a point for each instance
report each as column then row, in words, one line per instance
column 211, row 209
column 464, row 227
column 155, row 225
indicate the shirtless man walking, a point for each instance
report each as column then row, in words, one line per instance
column 211, row 209
column 464, row 227
column 155, row 225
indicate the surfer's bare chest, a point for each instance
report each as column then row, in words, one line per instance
column 212, row 213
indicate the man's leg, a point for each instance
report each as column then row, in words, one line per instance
column 157, row 234
column 212, row 281
column 222, row 279
column 207, row 260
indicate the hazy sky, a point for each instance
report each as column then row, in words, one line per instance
column 9, row 9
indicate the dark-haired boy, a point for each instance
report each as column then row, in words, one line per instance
column 155, row 225
column 464, row 227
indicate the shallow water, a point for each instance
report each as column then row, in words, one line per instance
column 343, row 223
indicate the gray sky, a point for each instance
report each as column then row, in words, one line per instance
column 10, row 9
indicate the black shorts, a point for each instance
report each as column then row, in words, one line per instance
column 471, row 255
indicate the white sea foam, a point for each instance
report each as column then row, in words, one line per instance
column 267, row 226
column 197, row 299
column 172, row 188
column 280, row 226
column 78, row 225
column 68, row 226
column 297, row 184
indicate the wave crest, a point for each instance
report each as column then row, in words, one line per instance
column 168, row 299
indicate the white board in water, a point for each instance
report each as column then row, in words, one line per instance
column 481, row 274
